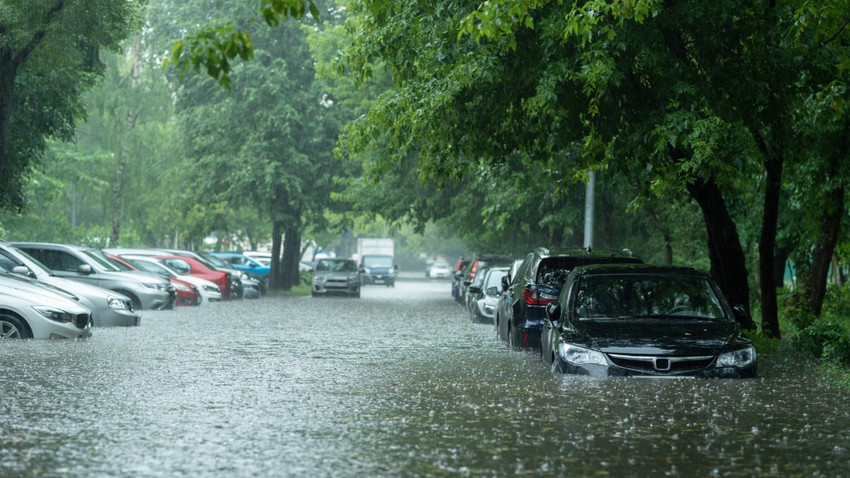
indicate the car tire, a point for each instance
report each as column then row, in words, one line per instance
column 12, row 327
column 513, row 341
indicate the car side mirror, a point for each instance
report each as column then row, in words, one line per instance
column 84, row 269
column 24, row 271
column 553, row 311
column 740, row 313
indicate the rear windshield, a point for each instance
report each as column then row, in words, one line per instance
column 555, row 270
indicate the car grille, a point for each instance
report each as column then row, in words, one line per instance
column 82, row 320
column 336, row 284
column 662, row 364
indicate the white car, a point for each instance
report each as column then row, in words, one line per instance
column 439, row 270
column 210, row 292
column 29, row 309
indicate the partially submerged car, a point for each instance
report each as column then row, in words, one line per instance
column 31, row 310
column 640, row 320
column 336, row 276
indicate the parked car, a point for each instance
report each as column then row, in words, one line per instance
column 249, row 265
column 439, row 270
column 537, row 282
column 91, row 266
column 485, row 294
column 473, row 268
column 192, row 267
column 29, row 310
column 640, row 320
column 209, row 290
column 252, row 286
column 108, row 308
column 457, row 277
column 336, row 276
column 187, row 293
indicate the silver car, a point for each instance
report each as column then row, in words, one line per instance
column 29, row 309
column 108, row 308
column 91, row 266
column 336, row 276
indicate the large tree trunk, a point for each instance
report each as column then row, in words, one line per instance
column 767, row 248
column 830, row 225
column 276, row 277
column 728, row 263
column 291, row 257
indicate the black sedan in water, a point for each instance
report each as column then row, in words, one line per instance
column 640, row 320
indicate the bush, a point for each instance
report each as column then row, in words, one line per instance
column 825, row 339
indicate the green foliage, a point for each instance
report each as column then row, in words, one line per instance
column 213, row 48
column 48, row 60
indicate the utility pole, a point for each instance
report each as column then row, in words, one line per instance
column 589, row 197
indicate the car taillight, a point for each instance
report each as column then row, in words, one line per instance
column 473, row 270
column 534, row 297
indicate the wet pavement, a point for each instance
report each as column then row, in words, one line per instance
column 397, row 383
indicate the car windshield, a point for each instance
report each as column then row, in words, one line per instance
column 377, row 261
column 330, row 265
column 102, row 260
column 151, row 266
column 646, row 296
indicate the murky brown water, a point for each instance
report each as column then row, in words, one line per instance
column 399, row 382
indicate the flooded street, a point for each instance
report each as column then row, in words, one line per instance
column 397, row 383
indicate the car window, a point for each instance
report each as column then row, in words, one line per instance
column 7, row 262
column 64, row 261
column 180, row 265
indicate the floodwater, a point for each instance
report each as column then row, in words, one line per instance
column 397, row 383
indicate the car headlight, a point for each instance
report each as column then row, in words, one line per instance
column 154, row 285
column 737, row 358
column 54, row 314
column 580, row 355
column 115, row 303
column 183, row 287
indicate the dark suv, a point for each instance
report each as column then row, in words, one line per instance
column 537, row 282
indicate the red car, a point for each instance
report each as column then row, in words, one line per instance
column 187, row 294
column 193, row 267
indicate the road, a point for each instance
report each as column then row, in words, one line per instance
column 397, row 383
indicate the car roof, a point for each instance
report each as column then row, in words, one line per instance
column 612, row 269
column 583, row 252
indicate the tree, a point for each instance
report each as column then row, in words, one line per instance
column 48, row 59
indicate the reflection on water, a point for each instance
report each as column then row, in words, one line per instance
column 398, row 382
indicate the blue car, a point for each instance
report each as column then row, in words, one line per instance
column 254, row 269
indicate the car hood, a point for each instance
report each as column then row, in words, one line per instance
column 659, row 336
column 336, row 274
column 83, row 290
column 38, row 293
